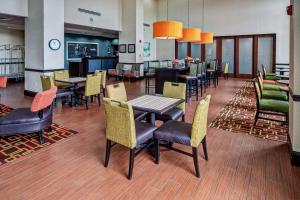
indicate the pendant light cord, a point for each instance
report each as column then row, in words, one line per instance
column 167, row 10
column 203, row 24
column 188, row 13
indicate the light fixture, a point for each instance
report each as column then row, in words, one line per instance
column 206, row 37
column 168, row 30
column 190, row 34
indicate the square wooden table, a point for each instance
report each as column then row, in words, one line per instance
column 73, row 80
column 154, row 105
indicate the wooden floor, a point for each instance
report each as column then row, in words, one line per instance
column 239, row 166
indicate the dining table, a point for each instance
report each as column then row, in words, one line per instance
column 154, row 104
column 286, row 82
column 74, row 82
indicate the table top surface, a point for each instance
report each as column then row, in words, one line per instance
column 284, row 76
column 282, row 70
column 72, row 80
column 154, row 104
column 284, row 81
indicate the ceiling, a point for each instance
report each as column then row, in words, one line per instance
column 17, row 23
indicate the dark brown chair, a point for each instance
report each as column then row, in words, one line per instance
column 186, row 134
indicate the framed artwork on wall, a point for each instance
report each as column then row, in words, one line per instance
column 131, row 48
column 147, row 49
column 122, row 48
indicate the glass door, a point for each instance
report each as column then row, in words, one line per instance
column 228, row 54
column 211, row 51
column 245, row 57
column 265, row 53
column 182, row 50
column 196, row 51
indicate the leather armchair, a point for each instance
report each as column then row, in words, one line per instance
column 30, row 120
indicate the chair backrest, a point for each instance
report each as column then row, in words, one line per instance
column 127, row 67
column 120, row 126
column 102, row 73
column 92, row 85
column 199, row 126
column 47, row 82
column 117, row 92
column 60, row 75
column 212, row 64
column 193, row 69
column 257, row 90
column 3, row 81
column 175, row 90
column 226, row 68
column 43, row 99
column 200, row 68
column 260, row 83
column 264, row 70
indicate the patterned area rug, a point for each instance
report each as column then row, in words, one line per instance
column 238, row 116
column 14, row 147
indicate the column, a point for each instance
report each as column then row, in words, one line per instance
column 45, row 22
column 132, row 30
column 294, row 126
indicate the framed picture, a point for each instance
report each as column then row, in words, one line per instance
column 131, row 48
column 147, row 48
column 122, row 48
column 77, row 50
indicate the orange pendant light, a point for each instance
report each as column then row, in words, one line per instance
column 168, row 30
column 190, row 35
column 206, row 38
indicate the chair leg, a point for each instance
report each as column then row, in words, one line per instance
column 183, row 118
column 256, row 117
column 41, row 137
column 87, row 102
column 131, row 163
column 107, row 154
column 204, row 145
column 104, row 92
column 196, row 163
column 99, row 100
column 157, row 151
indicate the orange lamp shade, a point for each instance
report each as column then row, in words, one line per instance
column 168, row 30
column 207, row 38
column 190, row 35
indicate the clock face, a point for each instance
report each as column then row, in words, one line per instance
column 54, row 44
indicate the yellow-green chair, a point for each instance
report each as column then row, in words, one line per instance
column 187, row 134
column 117, row 92
column 91, row 89
column 48, row 82
column 177, row 91
column 226, row 65
column 61, row 75
column 103, row 75
column 121, row 128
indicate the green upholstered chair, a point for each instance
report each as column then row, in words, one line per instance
column 267, row 81
column 272, row 86
column 121, row 128
column 103, row 74
column 270, row 106
column 177, row 91
column 61, row 75
column 117, row 92
column 269, row 76
column 186, row 134
column 90, row 90
column 272, row 94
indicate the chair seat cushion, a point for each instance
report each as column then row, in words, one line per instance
column 144, row 132
column 269, row 82
column 172, row 114
column 277, row 95
column 149, row 74
column 188, row 77
column 275, row 87
column 112, row 73
column 271, row 77
column 139, row 115
column 19, row 116
column 175, row 131
column 274, row 105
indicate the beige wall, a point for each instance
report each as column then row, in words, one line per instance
column 14, row 7
column 231, row 17
column 10, row 36
column 150, row 16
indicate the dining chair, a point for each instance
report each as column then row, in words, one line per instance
column 61, row 75
column 201, row 77
column 177, row 91
column 191, row 81
column 268, row 76
column 63, row 94
column 267, row 81
column 91, row 89
column 186, row 134
column 225, row 71
column 103, row 74
column 273, row 86
column 3, row 83
column 272, row 94
column 117, row 92
column 150, row 75
column 121, row 128
column 270, row 107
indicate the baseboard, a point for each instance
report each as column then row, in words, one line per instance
column 294, row 155
column 29, row 93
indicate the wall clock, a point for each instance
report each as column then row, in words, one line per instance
column 54, row 44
